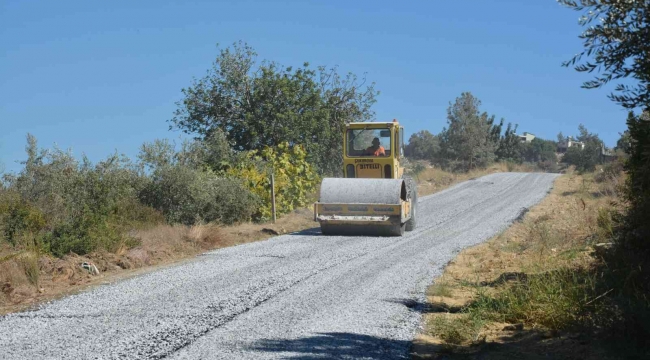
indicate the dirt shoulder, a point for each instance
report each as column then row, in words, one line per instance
column 26, row 281
column 529, row 292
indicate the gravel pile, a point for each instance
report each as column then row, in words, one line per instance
column 301, row 295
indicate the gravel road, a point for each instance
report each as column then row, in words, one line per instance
column 298, row 296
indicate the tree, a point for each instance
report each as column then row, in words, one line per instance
column 422, row 145
column 638, row 171
column 584, row 159
column 258, row 105
column 540, row 150
column 468, row 141
column 561, row 138
column 616, row 41
column 625, row 141
column 510, row 147
column 617, row 47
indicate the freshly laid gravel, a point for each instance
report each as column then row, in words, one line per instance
column 302, row 295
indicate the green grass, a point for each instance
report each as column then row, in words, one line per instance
column 559, row 299
column 457, row 329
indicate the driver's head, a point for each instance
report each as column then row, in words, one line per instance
column 375, row 142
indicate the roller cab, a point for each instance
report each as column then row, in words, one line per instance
column 374, row 197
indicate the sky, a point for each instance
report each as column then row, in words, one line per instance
column 100, row 77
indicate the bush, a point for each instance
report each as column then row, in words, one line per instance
column 295, row 179
column 188, row 196
column 609, row 171
column 18, row 216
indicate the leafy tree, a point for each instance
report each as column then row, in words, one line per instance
column 616, row 44
column 468, row 141
column 561, row 138
column 539, row 150
column 510, row 146
column 585, row 159
column 625, row 141
column 258, row 105
column 422, row 145
column 638, row 181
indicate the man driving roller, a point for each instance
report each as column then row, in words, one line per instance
column 376, row 149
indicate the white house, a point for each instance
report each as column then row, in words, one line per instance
column 570, row 142
column 526, row 137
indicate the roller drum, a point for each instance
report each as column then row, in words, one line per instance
column 362, row 191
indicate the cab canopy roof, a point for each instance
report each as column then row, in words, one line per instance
column 373, row 124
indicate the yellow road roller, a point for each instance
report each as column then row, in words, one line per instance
column 374, row 197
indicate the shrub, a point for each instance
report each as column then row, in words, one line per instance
column 188, row 196
column 609, row 171
column 18, row 216
column 295, row 179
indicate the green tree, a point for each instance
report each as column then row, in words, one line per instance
column 468, row 140
column 258, row 105
column 422, row 145
column 585, row 159
column 615, row 44
column 510, row 146
column 624, row 142
column 616, row 47
column 540, row 150
column 638, row 181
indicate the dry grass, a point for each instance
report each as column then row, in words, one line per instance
column 433, row 179
column 536, row 275
column 27, row 279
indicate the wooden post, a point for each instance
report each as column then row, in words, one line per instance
column 273, row 196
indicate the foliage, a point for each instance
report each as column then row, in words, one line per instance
column 18, row 216
column 616, row 41
column 295, row 178
column 259, row 105
column 59, row 204
column 539, row 150
column 469, row 141
column 616, row 46
column 422, row 145
column 510, row 147
column 186, row 190
column 624, row 142
column 637, row 190
column 585, row 159
column 560, row 299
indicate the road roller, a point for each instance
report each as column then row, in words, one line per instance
column 374, row 196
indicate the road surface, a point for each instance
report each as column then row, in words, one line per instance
column 297, row 296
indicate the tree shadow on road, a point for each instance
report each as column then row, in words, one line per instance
column 336, row 345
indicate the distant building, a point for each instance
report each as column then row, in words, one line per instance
column 607, row 154
column 526, row 137
column 570, row 142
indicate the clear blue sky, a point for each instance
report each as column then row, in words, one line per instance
column 103, row 76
